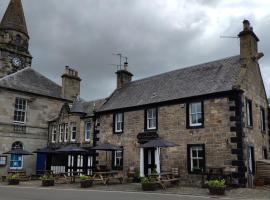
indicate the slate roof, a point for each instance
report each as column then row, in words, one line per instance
column 87, row 108
column 207, row 78
column 29, row 80
column 14, row 17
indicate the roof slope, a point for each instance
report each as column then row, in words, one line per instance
column 29, row 80
column 14, row 17
column 207, row 78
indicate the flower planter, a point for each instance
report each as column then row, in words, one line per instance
column 13, row 181
column 259, row 182
column 217, row 190
column 150, row 186
column 47, row 183
column 86, row 183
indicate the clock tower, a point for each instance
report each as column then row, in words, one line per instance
column 14, row 40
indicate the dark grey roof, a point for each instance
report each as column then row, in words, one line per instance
column 29, row 80
column 269, row 100
column 207, row 78
column 92, row 106
column 78, row 106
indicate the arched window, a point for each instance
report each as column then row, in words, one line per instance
column 17, row 145
column 18, row 40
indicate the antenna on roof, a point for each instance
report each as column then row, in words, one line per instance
column 120, row 56
column 228, row 37
column 115, row 65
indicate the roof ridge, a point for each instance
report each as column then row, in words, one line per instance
column 184, row 68
column 13, row 74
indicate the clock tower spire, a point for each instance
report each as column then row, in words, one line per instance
column 14, row 40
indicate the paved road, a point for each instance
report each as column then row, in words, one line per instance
column 28, row 193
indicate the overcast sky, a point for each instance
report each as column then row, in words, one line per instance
column 156, row 35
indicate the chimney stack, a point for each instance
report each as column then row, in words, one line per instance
column 248, row 43
column 70, row 84
column 123, row 76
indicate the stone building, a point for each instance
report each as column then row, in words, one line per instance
column 73, row 130
column 216, row 112
column 28, row 100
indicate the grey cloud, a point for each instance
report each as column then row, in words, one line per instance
column 85, row 33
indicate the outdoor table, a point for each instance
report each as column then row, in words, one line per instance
column 105, row 177
column 69, row 175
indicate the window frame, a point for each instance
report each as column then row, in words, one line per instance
column 61, row 132
column 20, row 110
column 86, row 131
column 53, row 133
column 3, row 160
column 115, row 166
column 13, row 160
column 262, row 120
column 189, row 125
column 249, row 113
column 72, row 131
column 189, row 158
column 154, row 118
column 66, row 130
column 115, row 123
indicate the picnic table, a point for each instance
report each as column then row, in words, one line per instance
column 105, row 177
column 67, row 177
column 165, row 177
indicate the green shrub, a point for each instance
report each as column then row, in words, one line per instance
column 137, row 173
column 148, row 179
column 216, row 183
column 47, row 177
column 85, row 178
column 13, row 176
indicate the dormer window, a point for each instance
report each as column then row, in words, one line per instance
column 54, row 134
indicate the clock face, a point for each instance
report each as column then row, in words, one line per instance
column 16, row 62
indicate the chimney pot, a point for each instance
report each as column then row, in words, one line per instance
column 246, row 25
column 126, row 66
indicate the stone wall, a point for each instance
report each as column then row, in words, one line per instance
column 172, row 126
column 39, row 111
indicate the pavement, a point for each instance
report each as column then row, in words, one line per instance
column 32, row 190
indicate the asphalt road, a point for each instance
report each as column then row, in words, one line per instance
column 27, row 193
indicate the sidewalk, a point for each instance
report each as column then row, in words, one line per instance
column 260, row 193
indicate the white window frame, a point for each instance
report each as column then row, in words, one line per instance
column 16, row 168
column 61, row 132
column 151, row 115
column 197, row 157
column 262, row 119
column 72, row 131
column 196, row 113
column 66, row 128
column 87, row 131
column 118, row 159
column 54, row 134
column 21, row 101
column 119, row 121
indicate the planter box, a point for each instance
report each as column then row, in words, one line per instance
column 150, row 186
column 47, row 183
column 13, row 181
column 217, row 190
column 86, row 183
column 259, row 182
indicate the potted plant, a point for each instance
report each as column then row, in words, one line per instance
column 217, row 187
column 136, row 177
column 47, row 180
column 86, row 181
column 13, row 179
column 149, row 184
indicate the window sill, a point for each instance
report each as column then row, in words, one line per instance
column 250, row 127
column 117, row 133
column 195, row 127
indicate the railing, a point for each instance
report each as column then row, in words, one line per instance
column 19, row 128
